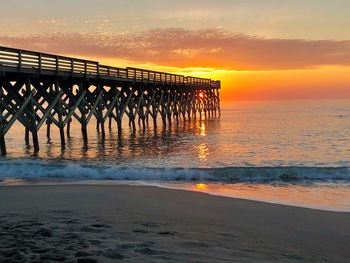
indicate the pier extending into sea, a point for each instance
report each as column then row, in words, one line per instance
column 38, row 89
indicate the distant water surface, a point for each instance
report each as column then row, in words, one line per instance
column 289, row 145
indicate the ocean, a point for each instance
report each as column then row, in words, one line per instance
column 287, row 152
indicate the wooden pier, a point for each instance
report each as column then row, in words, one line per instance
column 38, row 88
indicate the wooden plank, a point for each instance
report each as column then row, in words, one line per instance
column 93, row 109
column 71, row 112
column 48, row 111
column 18, row 113
column 68, row 107
column 150, row 103
column 111, row 106
column 121, row 113
column 23, row 120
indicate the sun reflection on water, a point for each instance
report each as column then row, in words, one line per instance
column 202, row 129
column 202, row 152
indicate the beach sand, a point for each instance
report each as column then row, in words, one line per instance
column 91, row 223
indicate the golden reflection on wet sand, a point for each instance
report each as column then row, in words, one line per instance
column 333, row 197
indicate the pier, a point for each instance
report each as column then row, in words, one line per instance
column 38, row 89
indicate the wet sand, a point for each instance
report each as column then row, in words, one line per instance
column 87, row 223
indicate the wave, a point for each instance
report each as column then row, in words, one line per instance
column 38, row 169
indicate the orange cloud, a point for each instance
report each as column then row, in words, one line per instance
column 189, row 48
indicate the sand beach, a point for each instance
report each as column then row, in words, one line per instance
column 99, row 223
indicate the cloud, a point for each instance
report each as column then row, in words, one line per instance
column 190, row 48
column 52, row 22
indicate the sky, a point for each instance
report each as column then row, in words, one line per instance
column 259, row 49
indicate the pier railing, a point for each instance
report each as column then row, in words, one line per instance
column 42, row 63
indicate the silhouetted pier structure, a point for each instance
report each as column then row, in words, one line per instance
column 38, row 88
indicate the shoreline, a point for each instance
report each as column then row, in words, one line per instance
column 148, row 223
column 265, row 193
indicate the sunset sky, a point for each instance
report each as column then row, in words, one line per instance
column 260, row 49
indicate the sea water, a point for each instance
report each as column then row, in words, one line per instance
column 288, row 152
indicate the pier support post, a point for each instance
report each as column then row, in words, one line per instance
column 60, row 114
column 63, row 139
column 48, row 122
column 2, row 135
column 218, row 101
column 103, row 129
column 68, row 128
column 26, row 136
column 2, row 142
column 84, row 130
column 110, row 123
column 119, row 125
column 82, row 108
column 48, row 131
column 32, row 118
column 35, row 140
column 131, row 108
column 154, row 115
column 100, row 112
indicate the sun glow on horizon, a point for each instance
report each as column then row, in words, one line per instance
column 304, row 83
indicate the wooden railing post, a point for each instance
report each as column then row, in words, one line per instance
column 57, row 66
column 40, row 63
column 85, row 68
column 72, row 65
column 20, row 60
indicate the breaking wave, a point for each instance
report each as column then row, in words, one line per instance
column 38, row 169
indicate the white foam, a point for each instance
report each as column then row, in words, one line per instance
column 42, row 169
